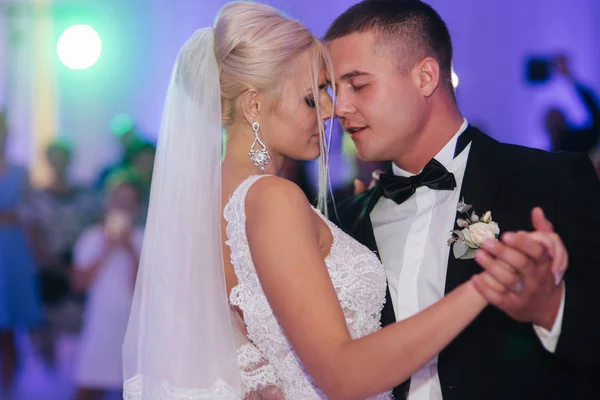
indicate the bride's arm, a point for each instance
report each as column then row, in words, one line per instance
column 283, row 239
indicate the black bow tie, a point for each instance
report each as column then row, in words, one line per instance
column 400, row 188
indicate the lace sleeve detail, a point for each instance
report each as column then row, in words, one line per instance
column 257, row 375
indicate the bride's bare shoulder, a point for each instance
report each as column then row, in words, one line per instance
column 275, row 197
column 273, row 190
column 282, row 229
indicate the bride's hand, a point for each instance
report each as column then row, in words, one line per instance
column 531, row 264
column 544, row 234
column 557, row 251
column 553, row 248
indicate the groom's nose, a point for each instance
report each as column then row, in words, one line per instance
column 343, row 106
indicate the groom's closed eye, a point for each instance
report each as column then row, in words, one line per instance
column 358, row 83
column 356, row 79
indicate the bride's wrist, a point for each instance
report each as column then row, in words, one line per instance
column 474, row 293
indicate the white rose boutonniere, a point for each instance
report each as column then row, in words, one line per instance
column 474, row 230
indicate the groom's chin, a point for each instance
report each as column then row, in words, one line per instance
column 366, row 154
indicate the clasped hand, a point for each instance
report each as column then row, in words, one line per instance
column 523, row 272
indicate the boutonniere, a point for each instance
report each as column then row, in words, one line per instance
column 474, row 230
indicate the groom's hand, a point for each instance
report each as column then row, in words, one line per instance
column 525, row 267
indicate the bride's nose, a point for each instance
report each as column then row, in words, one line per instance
column 326, row 107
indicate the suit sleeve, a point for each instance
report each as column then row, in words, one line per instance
column 578, row 224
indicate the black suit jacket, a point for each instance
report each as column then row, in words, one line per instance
column 496, row 357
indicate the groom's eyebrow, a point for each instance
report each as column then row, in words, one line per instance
column 353, row 74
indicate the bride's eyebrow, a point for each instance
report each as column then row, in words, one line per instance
column 322, row 86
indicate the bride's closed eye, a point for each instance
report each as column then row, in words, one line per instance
column 310, row 101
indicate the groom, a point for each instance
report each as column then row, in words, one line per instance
column 395, row 98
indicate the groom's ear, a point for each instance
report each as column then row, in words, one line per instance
column 428, row 71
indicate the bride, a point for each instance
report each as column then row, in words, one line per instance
column 244, row 289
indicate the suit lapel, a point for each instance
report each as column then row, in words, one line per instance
column 479, row 187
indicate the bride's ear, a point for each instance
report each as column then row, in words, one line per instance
column 251, row 105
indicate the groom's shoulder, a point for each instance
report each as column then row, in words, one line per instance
column 526, row 154
column 531, row 159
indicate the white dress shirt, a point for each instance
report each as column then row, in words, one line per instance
column 412, row 242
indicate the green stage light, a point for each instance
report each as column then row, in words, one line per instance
column 121, row 124
column 79, row 47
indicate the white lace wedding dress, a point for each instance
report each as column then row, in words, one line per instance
column 359, row 281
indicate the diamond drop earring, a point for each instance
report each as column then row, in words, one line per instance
column 261, row 156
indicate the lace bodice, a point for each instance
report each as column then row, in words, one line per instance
column 358, row 278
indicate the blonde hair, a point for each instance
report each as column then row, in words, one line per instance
column 256, row 47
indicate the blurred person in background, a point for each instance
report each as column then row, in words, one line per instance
column 142, row 163
column 124, row 129
column 19, row 304
column 106, row 258
column 140, row 168
column 56, row 216
column 563, row 135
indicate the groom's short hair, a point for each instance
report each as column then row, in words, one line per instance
column 411, row 29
